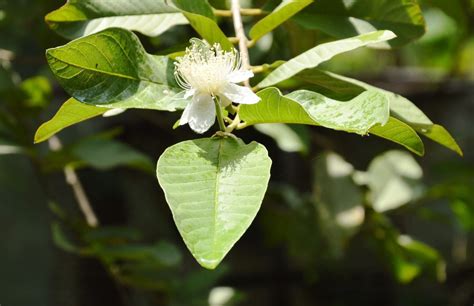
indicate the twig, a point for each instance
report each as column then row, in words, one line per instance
column 243, row 12
column 240, row 34
column 73, row 180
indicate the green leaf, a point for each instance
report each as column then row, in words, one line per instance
column 214, row 188
column 106, row 154
column 275, row 108
column 111, row 68
column 357, row 115
column 440, row 135
column 341, row 19
column 287, row 139
column 401, row 133
column 79, row 18
column 339, row 200
column 400, row 107
column 70, row 113
column 61, row 240
column 322, row 53
column 283, row 12
column 201, row 17
column 393, row 180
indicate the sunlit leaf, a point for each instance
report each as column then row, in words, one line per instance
column 79, row 18
column 322, row 53
column 70, row 113
column 214, row 188
column 282, row 13
column 111, row 68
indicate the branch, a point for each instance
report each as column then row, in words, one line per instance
column 243, row 12
column 73, row 180
column 240, row 34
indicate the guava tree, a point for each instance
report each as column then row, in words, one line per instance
column 215, row 185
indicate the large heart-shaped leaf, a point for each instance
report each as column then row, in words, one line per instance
column 282, row 13
column 342, row 18
column 322, row 53
column 84, row 17
column 214, row 188
column 111, row 68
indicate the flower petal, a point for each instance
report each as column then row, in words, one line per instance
column 189, row 93
column 240, row 76
column 200, row 114
column 240, row 94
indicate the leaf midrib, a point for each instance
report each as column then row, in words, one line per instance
column 106, row 72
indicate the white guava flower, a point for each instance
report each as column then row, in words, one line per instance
column 207, row 72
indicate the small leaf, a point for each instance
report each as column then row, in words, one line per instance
column 442, row 136
column 338, row 200
column 401, row 133
column 70, row 113
column 112, row 68
column 106, row 154
column 214, row 188
column 287, row 139
column 84, row 17
column 274, row 108
column 62, row 241
column 201, row 17
column 340, row 18
column 393, row 179
column 283, row 12
column 322, row 53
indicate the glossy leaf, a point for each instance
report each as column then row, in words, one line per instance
column 70, row 113
column 111, row 68
column 400, row 107
column 283, row 12
column 79, row 18
column 322, row 53
column 276, row 108
column 357, row 115
column 214, row 188
column 341, row 19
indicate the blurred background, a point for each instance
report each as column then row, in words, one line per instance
column 347, row 220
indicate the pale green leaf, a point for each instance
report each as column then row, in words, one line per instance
column 79, row 18
column 342, row 18
column 322, row 53
column 112, row 69
column 283, row 12
column 287, row 139
column 70, row 113
column 276, row 108
column 357, row 115
column 214, row 188
column 393, row 180
column 338, row 199
column 400, row 107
